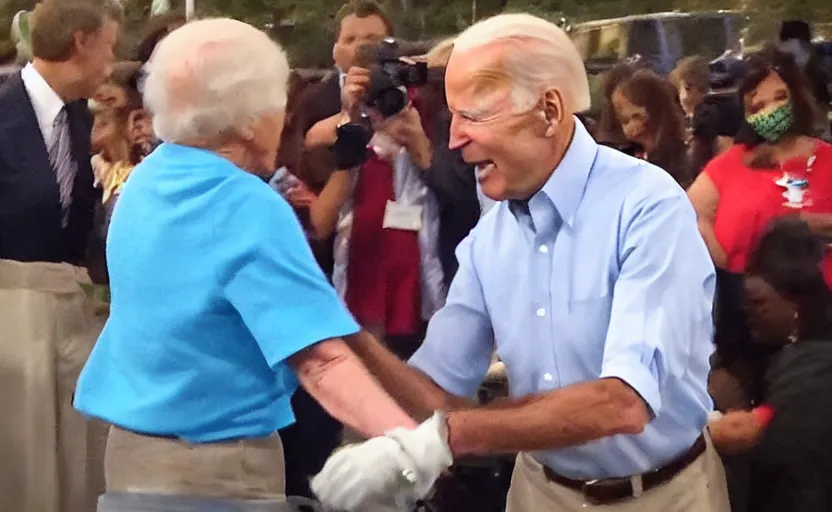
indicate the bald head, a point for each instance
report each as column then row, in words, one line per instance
column 213, row 77
column 531, row 54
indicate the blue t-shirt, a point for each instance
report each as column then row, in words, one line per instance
column 213, row 287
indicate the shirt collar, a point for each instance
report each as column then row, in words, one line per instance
column 45, row 100
column 565, row 187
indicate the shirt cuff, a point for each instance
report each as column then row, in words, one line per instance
column 638, row 377
column 455, row 386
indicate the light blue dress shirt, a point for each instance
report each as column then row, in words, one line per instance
column 602, row 273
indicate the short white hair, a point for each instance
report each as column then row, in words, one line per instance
column 539, row 55
column 211, row 77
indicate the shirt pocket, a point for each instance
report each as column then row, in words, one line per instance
column 584, row 325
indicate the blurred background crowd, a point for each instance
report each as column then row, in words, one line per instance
column 680, row 89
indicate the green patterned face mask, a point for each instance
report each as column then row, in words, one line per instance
column 772, row 125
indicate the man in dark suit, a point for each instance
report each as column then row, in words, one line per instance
column 47, row 196
column 52, row 455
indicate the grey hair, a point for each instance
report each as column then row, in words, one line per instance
column 212, row 77
column 538, row 56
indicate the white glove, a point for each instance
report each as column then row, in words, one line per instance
column 400, row 467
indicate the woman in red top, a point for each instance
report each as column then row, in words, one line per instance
column 777, row 167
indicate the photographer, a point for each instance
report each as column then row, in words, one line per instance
column 385, row 219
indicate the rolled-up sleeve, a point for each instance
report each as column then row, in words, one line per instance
column 662, row 298
column 460, row 341
column 276, row 286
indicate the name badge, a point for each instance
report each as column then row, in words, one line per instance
column 402, row 216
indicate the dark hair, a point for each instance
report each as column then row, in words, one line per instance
column 726, row 71
column 156, row 28
column 666, row 120
column 125, row 75
column 55, row 23
column 796, row 29
column 693, row 71
column 361, row 9
column 761, row 65
column 788, row 256
column 608, row 129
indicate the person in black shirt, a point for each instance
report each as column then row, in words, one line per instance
column 789, row 309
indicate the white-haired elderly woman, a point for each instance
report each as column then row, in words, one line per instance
column 218, row 307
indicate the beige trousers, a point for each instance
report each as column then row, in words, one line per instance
column 698, row 488
column 51, row 458
column 250, row 469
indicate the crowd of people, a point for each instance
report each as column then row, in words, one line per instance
column 285, row 255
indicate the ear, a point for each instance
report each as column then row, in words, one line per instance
column 554, row 111
column 553, row 106
column 79, row 42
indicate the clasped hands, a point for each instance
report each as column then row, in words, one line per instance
column 386, row 473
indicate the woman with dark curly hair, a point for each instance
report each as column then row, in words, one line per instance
column 646, row 108
column 787, row 457
column 608, row 131
column 776, row 167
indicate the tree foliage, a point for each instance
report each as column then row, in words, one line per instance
column 305, row 27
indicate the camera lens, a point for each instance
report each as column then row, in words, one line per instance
column 390, row 102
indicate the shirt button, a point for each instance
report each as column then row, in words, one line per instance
column 541, row 312
column 547, row 376
column 544, row 249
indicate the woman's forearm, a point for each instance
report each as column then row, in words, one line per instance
column 322, row 133
column 325, row 209
column 336, row 379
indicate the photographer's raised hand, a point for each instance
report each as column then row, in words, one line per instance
column 356, row 83
column 406, row 129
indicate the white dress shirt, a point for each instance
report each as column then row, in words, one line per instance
column 45, row 100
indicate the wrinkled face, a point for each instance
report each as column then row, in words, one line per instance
column 771, row 317
column 140, row 127
column 633, row 119
column 265, row 142
column 690, row 97
column 356, row 32
column 508, row 148
column 770, row 94
column 95, row 54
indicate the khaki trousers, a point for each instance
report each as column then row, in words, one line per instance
column 51, row 458
column 250, row 469
column 698, row 488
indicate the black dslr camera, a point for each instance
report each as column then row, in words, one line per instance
column 390, row 77
column 386, row 94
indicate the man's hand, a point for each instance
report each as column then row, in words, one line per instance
column 401, row 466
column 355, row 87
column 406, row 129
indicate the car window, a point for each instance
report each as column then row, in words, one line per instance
column 605, row 42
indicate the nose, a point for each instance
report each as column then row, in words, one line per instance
column 458, row 137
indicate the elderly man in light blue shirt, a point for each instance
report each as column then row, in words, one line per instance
column 592, row 283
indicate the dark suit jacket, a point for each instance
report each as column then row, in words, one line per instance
column 30, row 210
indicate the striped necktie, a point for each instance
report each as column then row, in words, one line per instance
column 60, row 156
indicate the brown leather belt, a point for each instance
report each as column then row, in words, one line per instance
column 613, row 490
